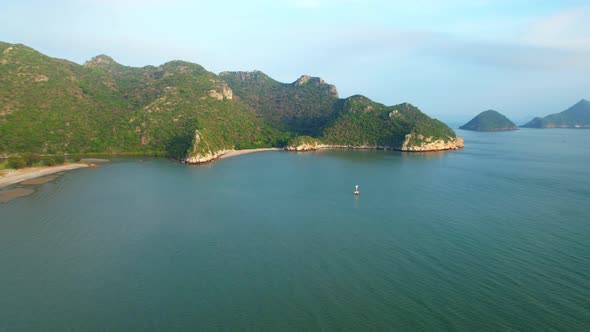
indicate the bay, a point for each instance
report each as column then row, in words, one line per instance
column 491, row 237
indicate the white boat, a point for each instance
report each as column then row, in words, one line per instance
column 356, row 190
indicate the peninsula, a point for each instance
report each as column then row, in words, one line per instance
column 53, row 107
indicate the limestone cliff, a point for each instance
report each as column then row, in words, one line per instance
column 419, row 143
column 411, row 143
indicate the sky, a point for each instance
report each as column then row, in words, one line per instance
column 452, row 59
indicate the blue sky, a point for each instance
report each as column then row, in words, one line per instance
column 453, row 58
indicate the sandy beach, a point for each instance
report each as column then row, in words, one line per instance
column 246, row 151
column 34, row 172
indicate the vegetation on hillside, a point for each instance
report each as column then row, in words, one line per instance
column 303, row 139
column 302, row 107
column 489, row 121
column 54, row 107
column 577, row 116
column 362, row 122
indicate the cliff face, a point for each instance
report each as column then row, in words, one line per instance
column 411, row 143
column 424, row 144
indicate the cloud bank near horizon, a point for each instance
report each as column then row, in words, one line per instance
column 452, row 59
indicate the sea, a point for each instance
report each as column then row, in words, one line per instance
column 493, row 237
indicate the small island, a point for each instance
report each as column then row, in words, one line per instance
column 489, row 120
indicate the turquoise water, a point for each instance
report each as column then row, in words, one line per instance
column 492, row 237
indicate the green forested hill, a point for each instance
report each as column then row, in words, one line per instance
column 364, row 122
column 54, row 106
column 311, row 107
column 489, row 120
column 303, row 107
column 577, row 116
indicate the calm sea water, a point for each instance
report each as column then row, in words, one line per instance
column 492, row 237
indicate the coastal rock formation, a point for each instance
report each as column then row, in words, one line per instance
column 201, row 158
column 411, row 143
column 419, row 143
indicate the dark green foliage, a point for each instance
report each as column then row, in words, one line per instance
column 311, row 107
column 489, row 121
column 16, row 162
column 59, row 159
column 75, row 158
column 31, row 158
column 303, row 106
column 577, row 116
column 362, row 122
column 49, row 161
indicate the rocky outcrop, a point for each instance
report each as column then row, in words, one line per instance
column 198, row 156
column 412, row 143
column 318, row 82
column 427, row 144
column 419, row 143
column 225, row 92
column 221, row 91
column 201, row 158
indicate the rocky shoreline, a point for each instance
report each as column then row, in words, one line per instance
column 222, row 154
column 428, row 144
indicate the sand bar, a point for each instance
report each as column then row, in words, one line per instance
column 93, row 160
column 35, row 172
column 246, row 151
column 36, row 181
column 8, row 195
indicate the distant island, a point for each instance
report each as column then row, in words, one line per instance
column 489, row 120
column 54, row 107
column 577, row 116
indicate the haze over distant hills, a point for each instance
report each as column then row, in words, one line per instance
column 181, row 110
column 489, row 120
column 577, row 116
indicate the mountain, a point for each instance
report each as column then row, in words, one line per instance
column 311, row 108
column 56, row 106
column 362, row 122
column 179, row 109
column 304, row 106
column 577, row 116
column 489, row 121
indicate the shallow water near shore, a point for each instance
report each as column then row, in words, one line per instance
column 491, row 237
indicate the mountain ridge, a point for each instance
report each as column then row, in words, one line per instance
column 576, row 116
column 179, row 109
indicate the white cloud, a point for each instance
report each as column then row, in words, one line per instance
column 566, row 29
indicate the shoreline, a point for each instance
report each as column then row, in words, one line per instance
column 29, row 173
column 235, row 153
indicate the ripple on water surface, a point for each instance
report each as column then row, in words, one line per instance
column 492, row 237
